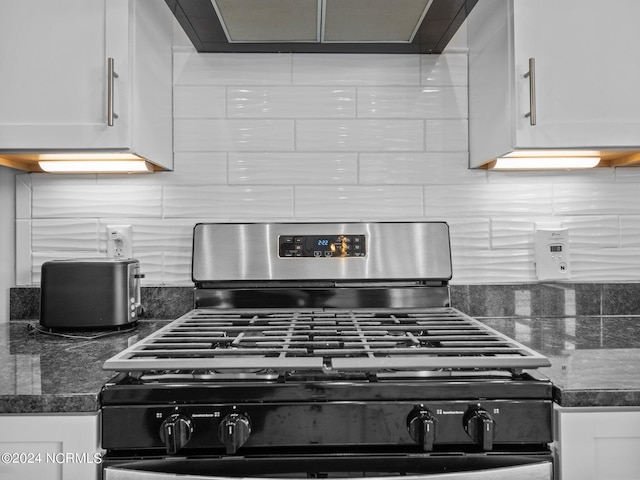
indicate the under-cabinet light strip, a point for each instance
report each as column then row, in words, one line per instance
column 544, row 163
column 95, row 166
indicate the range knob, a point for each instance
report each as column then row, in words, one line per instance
column 175, row 432
column 479, row 426
column 234, row 431
column 422, row 427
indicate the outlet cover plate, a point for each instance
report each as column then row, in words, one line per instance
column 119, row 241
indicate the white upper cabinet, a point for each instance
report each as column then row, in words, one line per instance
column 587, row 65
column 56, row 85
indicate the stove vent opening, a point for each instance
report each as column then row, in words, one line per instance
column 321, row 20
column 321, row 26
column 269, row 20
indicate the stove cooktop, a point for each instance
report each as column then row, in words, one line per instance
column 243, row 341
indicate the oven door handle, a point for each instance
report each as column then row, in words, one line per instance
column 532, row 471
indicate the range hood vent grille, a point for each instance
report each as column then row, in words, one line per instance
column 269, row 20
column 274, row 21
column 321, row 26
column 375, row 20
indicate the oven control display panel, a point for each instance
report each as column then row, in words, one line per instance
column 321, row 246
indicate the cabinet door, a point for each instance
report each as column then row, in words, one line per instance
column 598, row 444
column 55, row 447
column 53, row 90
column 587, row 61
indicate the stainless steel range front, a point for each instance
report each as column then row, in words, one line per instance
column 326, row 350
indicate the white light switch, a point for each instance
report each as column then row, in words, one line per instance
column 552, row 254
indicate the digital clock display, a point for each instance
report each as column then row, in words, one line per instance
column 322, row 246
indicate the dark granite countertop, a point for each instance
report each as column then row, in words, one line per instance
column 40, row 373
column 594, row 361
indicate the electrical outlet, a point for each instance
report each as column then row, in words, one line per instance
column 119, row 242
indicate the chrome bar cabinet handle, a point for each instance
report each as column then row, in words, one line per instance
column 111, row 76
column 531, row 75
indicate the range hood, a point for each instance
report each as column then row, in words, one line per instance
column 320, row 26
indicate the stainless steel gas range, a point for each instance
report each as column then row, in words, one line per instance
column 325, row 350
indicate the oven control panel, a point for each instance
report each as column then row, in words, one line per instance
column 321, row 246
column 488, row 425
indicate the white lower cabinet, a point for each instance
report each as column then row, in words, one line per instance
column 51, row 447
column 600, row 443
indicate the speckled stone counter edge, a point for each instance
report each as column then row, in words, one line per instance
column 596, row 398
column 58, row 403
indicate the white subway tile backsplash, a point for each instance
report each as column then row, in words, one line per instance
column 199, row 101
column 353, row 69
column 223, row 202
column 512, row 233
column 64, row 234
column 605, row 264
column 417, row 168
column 215, row 135
column 360, row 135
column 78, row 179
column 293, row 168
column 394, row 168
column 595, row 175
column 444, row 135
column 627, row 174
column 593, row 231
column 23, row 196
column 23, row 252
column 358, row 202
column 412, row 102
column 92, row 201
column 487, row 200
column 470, row 233
column 192, row 68
column 177, row 268
column 492, row 266
column 292, row 102
column 596, row 199
column 208, row 168
column 445, row 69
column 451, row 168
column 630, row 231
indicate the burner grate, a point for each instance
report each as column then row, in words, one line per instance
column 327, row 340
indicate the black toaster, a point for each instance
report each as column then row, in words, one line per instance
column 90, row 293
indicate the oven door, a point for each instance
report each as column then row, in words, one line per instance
column 382, row 467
